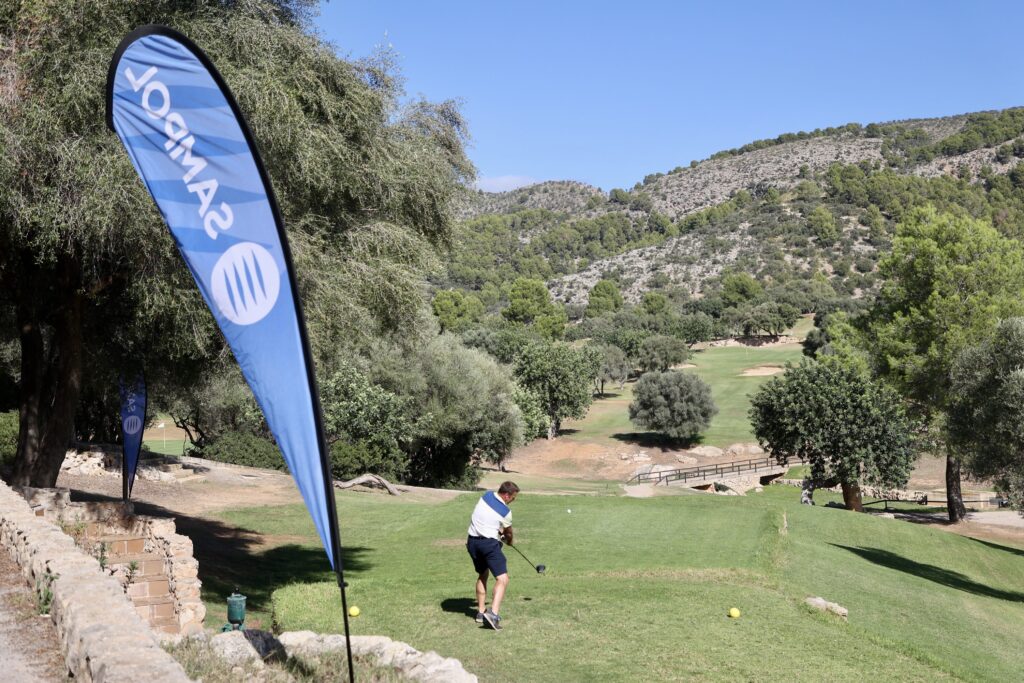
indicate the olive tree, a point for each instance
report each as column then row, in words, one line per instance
column 833, row 416
column 560, row 376
column 660, row 352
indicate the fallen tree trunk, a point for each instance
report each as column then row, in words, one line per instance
column 370, row 479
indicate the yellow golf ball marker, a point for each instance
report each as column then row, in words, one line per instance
column 734, row 613
column 353, row 611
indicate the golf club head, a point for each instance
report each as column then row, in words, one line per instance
column 541, row 568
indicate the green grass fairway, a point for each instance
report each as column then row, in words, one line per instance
column 638, row 589
column 721, row 367
column 165, row 447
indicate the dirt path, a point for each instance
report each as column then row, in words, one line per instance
column 29, row 650
column 218, row 488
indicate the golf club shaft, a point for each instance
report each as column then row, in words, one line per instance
column 521, row 553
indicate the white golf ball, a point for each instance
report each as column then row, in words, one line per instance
column 569, row 511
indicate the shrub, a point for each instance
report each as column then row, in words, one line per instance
column 8, row 436
column 351, row 459
column 244, row 448
column 676, row 404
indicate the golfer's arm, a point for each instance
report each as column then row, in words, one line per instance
column 507, row 533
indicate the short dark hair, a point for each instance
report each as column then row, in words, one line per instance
column 508, row 487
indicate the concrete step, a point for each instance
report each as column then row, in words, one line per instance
column 122, row 544
column 151, row 609
column 148, row 587
column 148, row 564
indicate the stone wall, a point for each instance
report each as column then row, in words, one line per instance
column 102, row 637
column 85, row 520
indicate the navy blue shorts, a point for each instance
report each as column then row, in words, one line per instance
column 486, row 554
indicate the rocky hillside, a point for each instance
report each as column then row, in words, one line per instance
column 565, row 196
column 765, row 194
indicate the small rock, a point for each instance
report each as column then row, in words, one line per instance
column 707, row 451
column 234, row 648
column 686, row 459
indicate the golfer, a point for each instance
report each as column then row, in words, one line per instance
column 491, row 523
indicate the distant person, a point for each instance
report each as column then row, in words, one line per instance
column 491, row 524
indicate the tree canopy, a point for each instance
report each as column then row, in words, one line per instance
column 986, row 416
column 88, row 270
column 604, row 298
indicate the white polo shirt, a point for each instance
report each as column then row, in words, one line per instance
column 490, row 516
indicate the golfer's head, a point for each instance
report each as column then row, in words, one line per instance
column 508, row 491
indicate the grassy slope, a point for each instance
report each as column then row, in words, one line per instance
column 639, row 588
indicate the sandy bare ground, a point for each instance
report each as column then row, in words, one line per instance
column 29, row 649
column 762, row 371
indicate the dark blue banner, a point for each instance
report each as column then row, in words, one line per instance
column 193, row 150
column 133, row 422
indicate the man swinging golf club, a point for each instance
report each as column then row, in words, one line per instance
column 490, row 524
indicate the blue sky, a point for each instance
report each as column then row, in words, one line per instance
column 607, row 92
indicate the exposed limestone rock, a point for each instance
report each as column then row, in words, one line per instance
column 234, row 648
column 826, row 606
column 415, row 665
column 707, row 451
column 744, row 450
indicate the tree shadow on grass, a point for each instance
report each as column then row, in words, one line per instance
column 237, row 558
column 997, row 546
column 655, row 440
column 945, row 577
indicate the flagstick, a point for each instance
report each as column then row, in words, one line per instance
column 344, row 615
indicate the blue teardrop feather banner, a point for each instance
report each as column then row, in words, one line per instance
column 192, row 149
column 133, row 422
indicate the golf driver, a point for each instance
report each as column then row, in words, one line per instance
column 539, row 567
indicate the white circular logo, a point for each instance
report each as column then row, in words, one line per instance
column 245, row 283
column 132, row 424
